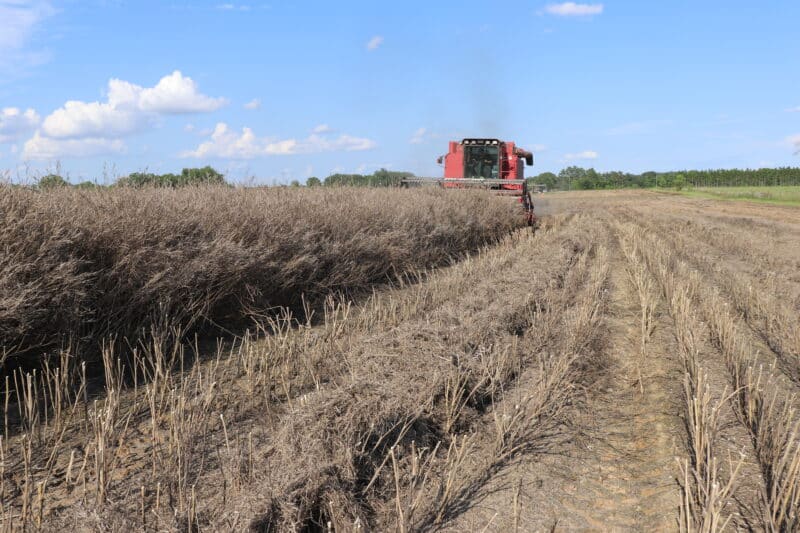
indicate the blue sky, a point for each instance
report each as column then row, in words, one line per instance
column 284, row 90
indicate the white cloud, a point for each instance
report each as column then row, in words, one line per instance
column 226, row 143
column 18, row 22
column 794, row 140
column 571, row 9
column 39, row 147
column 419, row 136
column 20, row 17
column 586, row 155
column 322, row 128
column 129, row 108
column 375, row 42
column 93, row 119
column 175, row 94
column 793, row 110
column 14, row 123
column 255, row 103
column 96, row 127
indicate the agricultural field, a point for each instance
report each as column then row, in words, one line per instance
column 783, row 194
column 632, row 365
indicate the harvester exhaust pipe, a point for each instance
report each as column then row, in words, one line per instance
column 528, row 156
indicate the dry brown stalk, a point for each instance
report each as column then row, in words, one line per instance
column 771, row 420
column 705, row 495
column 123, row 262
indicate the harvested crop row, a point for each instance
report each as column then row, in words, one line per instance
column 534, row 417
column 706, row 489
column 409, row 399
column 80, row 266
column 768, row 416
column 759, row 302
column 258, row 374
column 611, row 465
column 183, row 435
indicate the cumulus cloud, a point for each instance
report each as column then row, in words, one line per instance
column 129, row 108
column 93, row 119
column 228, row 144
column 98, row 126
column 419, row 136
column 255, row 103
column 14, row 123
column 322, row 128
column 176, row 94
column 375, row 42
column 586, row 155
column 39, row 147
column 572, row 9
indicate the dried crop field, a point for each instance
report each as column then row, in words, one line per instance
column 632, row 365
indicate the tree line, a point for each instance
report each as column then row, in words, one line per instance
column 188, row 176
column 209, row 176
column 379, row 178
column 572, row 178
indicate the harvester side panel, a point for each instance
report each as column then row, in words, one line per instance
column 454, row 162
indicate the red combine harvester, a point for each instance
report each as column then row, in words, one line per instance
column 491, row 164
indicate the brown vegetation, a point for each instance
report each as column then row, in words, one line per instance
column 82, row 266
column 530, row 386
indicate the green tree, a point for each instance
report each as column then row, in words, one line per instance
column 294, row 183
column 201, row 176
column 380, row 178
column 545, row 178
column 589, row 180
column 52, row 181
column 313, row 181
column 187, row 177
column 570, row 176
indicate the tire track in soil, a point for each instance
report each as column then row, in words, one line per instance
column 619, row 473
column 625, row 477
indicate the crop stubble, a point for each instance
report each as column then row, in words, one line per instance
column 631, row 365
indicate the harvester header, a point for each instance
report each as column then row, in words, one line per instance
column 492, row 164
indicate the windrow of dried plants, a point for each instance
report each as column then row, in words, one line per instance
column 78, row 267
column 386, row 414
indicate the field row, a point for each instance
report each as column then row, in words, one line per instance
column 547, row 382
column 79, row 268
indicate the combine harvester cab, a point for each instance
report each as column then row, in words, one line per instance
column 491, row 164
